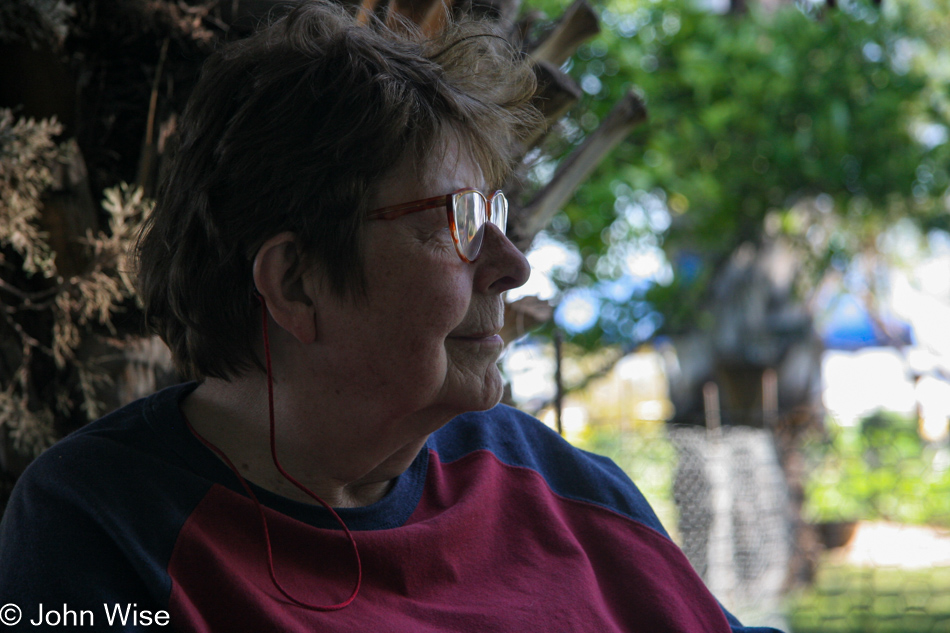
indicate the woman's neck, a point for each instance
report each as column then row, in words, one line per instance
column 233, row 416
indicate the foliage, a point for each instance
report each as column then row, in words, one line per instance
column 849, row 599
column 824, row 129
column 34, row 22
column 50, row 323
column 879, row 469
column 28, row 156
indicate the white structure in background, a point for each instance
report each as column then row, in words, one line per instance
column 914, row 380
column 733, row 503
column 933, row 398
column 855, row 384
column 573, row 422
column 530, row 368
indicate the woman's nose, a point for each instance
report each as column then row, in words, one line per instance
column 501, row 266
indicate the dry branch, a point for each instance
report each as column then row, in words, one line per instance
column 557, row 92
column 577, row 25
column 147, row 173
column 523, row 315
column 627, row 113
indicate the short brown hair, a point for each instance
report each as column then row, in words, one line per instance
column 289, row 130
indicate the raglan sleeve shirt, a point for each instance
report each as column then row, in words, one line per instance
column 497, row 526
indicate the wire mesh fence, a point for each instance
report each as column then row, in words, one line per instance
column 826, row 529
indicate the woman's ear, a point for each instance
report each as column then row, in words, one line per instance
column 279, row 276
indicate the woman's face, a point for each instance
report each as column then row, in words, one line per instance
column 425, row 337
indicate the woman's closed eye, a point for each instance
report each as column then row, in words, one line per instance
column 431, row 223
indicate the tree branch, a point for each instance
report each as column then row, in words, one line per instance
column 625, row 115
column 577, row 25
column 523, row 315
column 557, row 92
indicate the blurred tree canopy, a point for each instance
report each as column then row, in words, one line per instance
column 809, row 126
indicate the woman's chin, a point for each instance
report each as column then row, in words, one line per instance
column 477, row 391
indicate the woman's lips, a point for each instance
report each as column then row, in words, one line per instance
column 492, row 338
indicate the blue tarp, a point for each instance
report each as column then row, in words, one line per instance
column 847, row 325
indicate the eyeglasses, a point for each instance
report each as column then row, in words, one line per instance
column 467, row 211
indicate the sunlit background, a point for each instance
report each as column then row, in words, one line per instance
column 754, row 300
column 625, row 412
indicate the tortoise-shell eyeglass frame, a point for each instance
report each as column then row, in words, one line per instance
column 466, row 228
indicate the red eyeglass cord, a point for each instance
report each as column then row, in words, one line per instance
column 257, row 503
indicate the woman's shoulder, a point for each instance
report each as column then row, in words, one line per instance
column 144, row 426
column 520, row 440
column 115, row 470
column 104, row 504
column 515, row 437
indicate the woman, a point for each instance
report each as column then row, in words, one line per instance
column 327, row 261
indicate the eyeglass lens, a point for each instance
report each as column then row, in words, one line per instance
column 471, row 209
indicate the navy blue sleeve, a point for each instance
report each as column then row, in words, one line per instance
column 53, row 553
column 92, row 523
